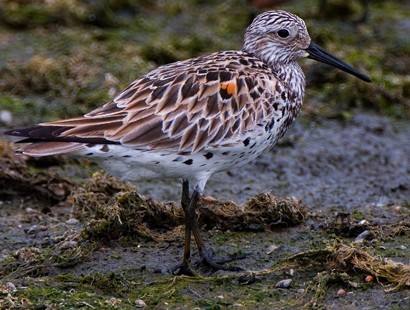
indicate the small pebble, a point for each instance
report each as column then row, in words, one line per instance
column 6, row 117
column 284, row 283
column 32, row 230
column 72, row 221
column 139, row 303
column 68, row 244
column 363, row 222
column 353, row 284
column 35, row 229
column 291, row 272
column 10, row 287
column 369, row 278
column 397, row 208
column 363, row 236
column 341, row 293
column 271, row 249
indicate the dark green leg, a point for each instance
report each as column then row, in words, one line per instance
column 189, row 205
column 184, row 268
column 206, row 254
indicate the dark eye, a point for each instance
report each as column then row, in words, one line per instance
column 283, row 33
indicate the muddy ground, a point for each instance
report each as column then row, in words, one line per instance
column 336, row 221
column 357, row 168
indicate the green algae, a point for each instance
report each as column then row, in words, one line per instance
column 123, row 288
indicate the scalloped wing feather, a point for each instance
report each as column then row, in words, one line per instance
column 185, row 106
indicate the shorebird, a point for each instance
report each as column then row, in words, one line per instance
column 193, row 118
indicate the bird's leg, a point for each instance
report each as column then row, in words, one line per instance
column 185, row 266
column 206, row 254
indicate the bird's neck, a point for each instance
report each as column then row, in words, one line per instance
column 292, row 76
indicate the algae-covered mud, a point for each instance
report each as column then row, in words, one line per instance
column 320, row 221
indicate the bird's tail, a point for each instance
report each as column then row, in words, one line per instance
column 45, row 140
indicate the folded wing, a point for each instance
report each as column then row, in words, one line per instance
column 180, row 107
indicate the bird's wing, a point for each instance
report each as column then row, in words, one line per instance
column 184, row 106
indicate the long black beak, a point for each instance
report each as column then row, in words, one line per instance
column 319, row 54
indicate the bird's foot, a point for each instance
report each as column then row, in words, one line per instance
column 183, row 268
column 208, row 259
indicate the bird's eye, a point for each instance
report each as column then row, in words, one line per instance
column 283, row 33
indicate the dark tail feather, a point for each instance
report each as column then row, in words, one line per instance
column 52, row 134
column 46, row 140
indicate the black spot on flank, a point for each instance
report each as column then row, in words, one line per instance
column 270, row 125
column 243, row 62
column 90, row 145
column 178, row 159
column 89, row 154
column 127, row 156
column 203, row 165
column 156, row 162
column 283, row 95
column 188, row 162
column 208, row 155
column 105, row 148
column 246, row 141
column 253, row 145
column 225, row 153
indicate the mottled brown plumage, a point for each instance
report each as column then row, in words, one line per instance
column 207, row 101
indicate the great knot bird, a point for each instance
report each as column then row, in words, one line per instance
column 193, row 118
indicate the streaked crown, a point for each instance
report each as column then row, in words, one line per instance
column 277, row 37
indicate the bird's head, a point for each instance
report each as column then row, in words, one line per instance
column 279, row 38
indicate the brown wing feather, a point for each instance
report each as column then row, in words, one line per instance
column 50, row 148
column 183, row 106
